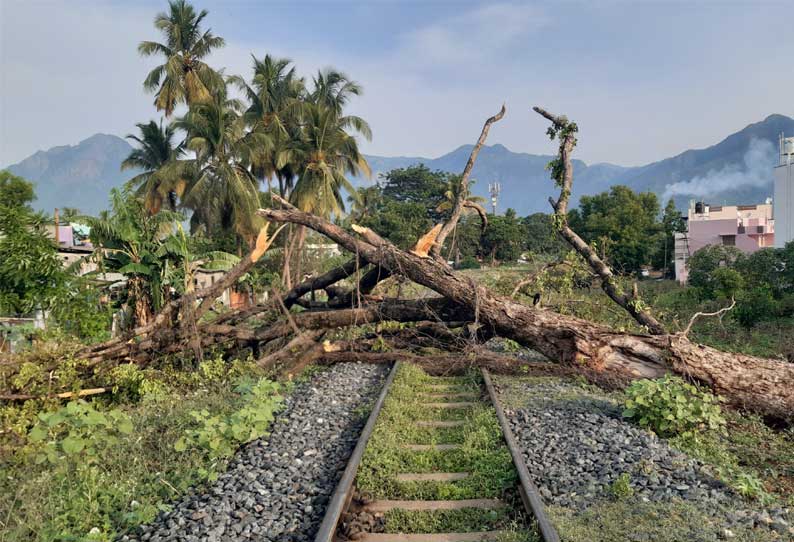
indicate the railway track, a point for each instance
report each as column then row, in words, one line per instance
column 442, row 466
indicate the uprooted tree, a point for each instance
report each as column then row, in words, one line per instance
column 463, row 312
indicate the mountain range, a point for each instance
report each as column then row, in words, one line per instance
column 737, row 170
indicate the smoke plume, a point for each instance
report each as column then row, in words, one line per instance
column 755, row 171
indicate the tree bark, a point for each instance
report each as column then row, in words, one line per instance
column 763, row 385
column 460, row 202
column 562, row 172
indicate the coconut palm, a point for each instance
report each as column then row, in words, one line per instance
column 325, row 154
column 163, row 177
column 470, row 203
column 223, row 193
column 275, row 96
column 183, row 77
column 334, row 90
column 365, row 203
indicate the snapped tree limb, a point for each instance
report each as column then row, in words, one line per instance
column 763, row 385
column 460, row 201
column 562, row 172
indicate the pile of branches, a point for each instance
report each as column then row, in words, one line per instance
column 446, row 329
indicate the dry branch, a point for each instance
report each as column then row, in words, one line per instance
column 715, row 313
column 457, row 208
column 562, row 172
column 764, row 385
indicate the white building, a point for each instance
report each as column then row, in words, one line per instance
column 784, row 193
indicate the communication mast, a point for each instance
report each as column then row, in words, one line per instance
column 494, row 189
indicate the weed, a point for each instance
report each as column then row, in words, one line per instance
column 621, row 488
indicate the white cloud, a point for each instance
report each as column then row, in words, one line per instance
column 477, row 35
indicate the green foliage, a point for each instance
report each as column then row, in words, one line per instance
column 504, row 237
column 116, row 480
column 469, row 262
column 541, row 235
column 671, row 406
column 623, row 223
column 31, row 274
column 755, row 306
column 80, row 311
column 132, row 384
column 621, row 487
column 672, row 223
column 416, row 184
column 77, row 432
column 221, row 435
column 406, row 206
column 727, row 282
column 705, row 262
column 132, row 241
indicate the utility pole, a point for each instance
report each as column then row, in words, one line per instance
column 494, row 189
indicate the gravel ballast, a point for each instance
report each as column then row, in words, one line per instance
column 277, row 487
column 576, row 446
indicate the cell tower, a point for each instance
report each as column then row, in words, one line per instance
column 494, row 189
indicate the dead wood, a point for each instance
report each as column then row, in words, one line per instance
column 763, row 385
column 457, row 208
column 562, row 173
column 321, row 282
column 64, row 395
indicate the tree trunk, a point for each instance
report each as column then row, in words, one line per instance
column 763, row 385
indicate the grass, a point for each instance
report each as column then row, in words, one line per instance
column 750, row 457
column 482, row 453
column 633, row 519
column 126, row 484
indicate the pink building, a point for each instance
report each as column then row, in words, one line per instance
column 747, row 227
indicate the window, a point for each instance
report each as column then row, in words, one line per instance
column 729, row 240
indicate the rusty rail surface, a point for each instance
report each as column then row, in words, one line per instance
column 529, row 493
column 344, row 489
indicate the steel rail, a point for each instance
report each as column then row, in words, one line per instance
column 529, row 493
column 343, row 493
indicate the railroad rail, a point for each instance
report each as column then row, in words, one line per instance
column 343, row 495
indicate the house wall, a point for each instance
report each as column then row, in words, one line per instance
column 784, row 205
column 750, row 226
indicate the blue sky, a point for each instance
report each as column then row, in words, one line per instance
column 644, row 80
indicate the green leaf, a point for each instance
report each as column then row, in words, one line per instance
column 72, row 445
column 37, row 434
column 180, row 445
column 124, row 426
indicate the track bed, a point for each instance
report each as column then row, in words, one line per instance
column 435, row 468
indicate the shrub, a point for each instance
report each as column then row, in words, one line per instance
column 755, row 306
column 621, row 487
column 469, row 262
column 220, row 435
column 670, row 406
column 77, row 430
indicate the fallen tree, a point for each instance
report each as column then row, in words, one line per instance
column 762, row 385
column 464, row 312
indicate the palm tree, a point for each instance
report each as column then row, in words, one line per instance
column 365, row 202
column 325, row 154
column 223, row 193
column 183, row 77
column 470, row 204
column 163, row 177
column 129, row 238
column 333, row 89
column 275, row 96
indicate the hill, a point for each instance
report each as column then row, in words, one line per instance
column 79, row 175
column 737, row 170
